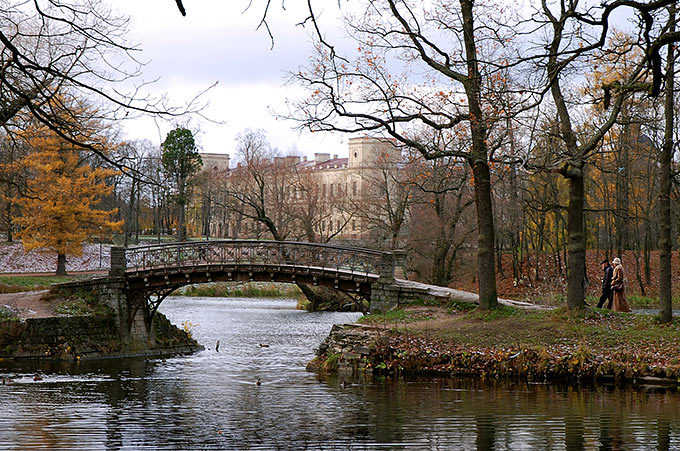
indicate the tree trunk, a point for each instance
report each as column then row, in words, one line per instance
column 486, row 269
column 622, row 234
column 516, row 247
column 638, row 271
column 157, row 222
column 207, row 220
column 61, row 265
column 129, row 217
column 499, row 258
column 137, row 208
column 648, row 254
column 665, row 243
column 576, row 267
column 9, row 221
column 516, row 218
column 439, row 273
column 181, row 201
column 573, row 171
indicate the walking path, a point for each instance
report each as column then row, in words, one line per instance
column 464, row 296
column 27, row 304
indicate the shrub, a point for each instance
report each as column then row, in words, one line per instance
column 7, row 314
column 83, row 303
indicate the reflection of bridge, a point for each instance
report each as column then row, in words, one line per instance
column 140, row 278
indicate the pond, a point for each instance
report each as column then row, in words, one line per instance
column 210, row 400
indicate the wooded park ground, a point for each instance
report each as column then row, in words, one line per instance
column 546, row 285
column 14, row 260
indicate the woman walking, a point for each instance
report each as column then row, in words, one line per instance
column 619, row 303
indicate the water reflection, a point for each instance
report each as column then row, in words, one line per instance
column 210, row 400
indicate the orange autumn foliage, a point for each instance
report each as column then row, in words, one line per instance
column 60, row 211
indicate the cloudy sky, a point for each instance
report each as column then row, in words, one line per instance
column 217, row 42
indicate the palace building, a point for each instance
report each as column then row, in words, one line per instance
column 310, row 200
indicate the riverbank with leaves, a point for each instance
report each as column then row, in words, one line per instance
column 556, row 345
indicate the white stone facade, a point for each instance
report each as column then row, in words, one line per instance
column 340, row 183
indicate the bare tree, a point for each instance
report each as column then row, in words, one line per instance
column 159, row 194
column 381, row 196
column 665, row 165
column 137, row 156
column 255, row 191
column 316, row 214
column 439, row 230
column 55, row 53
column 266, row 190
column 459, row 47
column 568, row 45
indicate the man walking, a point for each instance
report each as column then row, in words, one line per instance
column 607, row 293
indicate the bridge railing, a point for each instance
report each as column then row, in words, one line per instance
column 251, row 252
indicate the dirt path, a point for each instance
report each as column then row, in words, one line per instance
column 450, row 294
column 48, row 274
column 28, row 304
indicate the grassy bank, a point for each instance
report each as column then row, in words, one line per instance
column 242, row 290
column 17, row 284
column 635, row 301
column 592, row 344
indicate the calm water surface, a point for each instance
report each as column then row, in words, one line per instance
column 209, row 401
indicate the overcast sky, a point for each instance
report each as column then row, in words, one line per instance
column 218, row 42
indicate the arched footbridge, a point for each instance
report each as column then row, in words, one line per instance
column 141, row 277
column 163, row 267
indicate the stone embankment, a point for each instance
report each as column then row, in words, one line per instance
column 84, row 337
column 30, row 328
column 352, row 349
column 346, row 349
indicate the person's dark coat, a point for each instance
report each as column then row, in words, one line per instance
column 607, row 293
column 607, row 280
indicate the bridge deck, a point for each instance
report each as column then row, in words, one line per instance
column 176, row 276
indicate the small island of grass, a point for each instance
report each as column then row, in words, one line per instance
column 550, row 344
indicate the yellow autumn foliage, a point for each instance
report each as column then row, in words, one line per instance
column 59, row 211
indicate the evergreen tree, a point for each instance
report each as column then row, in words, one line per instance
column 181, row 162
